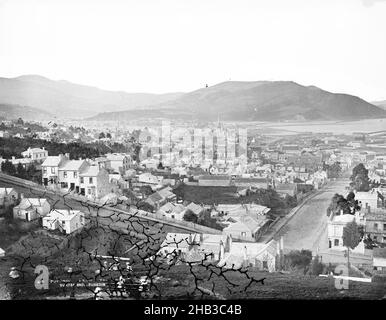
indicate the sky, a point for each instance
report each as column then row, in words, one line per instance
column 182, row 45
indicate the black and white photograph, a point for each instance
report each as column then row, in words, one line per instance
column 212, row 152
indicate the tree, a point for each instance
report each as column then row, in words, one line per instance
column 351, row 238
column 108, row 135
column 20, row 121
column 360, row 178
column 334, row 170
column 300, row 259
column 316, row 266
column 351, row 235
column 21, row 171
column 102, row 135
column 190, row 216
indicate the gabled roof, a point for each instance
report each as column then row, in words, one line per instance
column 91, row 171
column 52, row 161
column 62, row 214
column 72, row 165
column 195, row 208
column 6, row 191
column 27, row 203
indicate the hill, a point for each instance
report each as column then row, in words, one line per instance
column 381, row 104
column 11, row 111
column 66, row 99
column 254, row 101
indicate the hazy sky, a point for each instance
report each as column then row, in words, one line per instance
column 180, row 45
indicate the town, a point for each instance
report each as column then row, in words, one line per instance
column 179, row 194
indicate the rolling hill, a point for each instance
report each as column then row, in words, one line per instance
column 12, row 111
column 381, row 104
column 254, row 101
column 66, row 99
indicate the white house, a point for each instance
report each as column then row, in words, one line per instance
column 69, row 174
column 31, row 209
column 372, row 199
column 50, row 168
column 148, row 178
column 94, row 182
column 35, row 154
column 118, row 162
column 66, row 221
column 172, row 210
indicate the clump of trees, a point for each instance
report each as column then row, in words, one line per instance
column 29, row 173
column 334, row 170
column 339, row 203
column 298, row 259
column 360, row 178
column 190, row 216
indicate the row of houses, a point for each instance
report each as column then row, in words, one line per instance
column 220, row 250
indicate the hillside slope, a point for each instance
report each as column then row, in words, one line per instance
column 66, row 99
column 261, row 100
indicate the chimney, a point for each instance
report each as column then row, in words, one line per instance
column 44, row 148
column 282, row 243
column 21, row 195
column 13, row 157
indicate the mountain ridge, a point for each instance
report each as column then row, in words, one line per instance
column 258, row 100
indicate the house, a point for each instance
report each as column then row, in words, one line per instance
column 148, row 178
column 372, row 199
column 379, row 259
column 66, row 221
column 375, row 225
column 172, row 210
column 287, row 189
column 35, row 154
column 69, row 173
column 195, row 208
column 335, row 226
column 118, row 162
column 167, row 194
column 155, row 200
column 246, row 227
column 8, row 197
column 50, row 169
column 25, row 162
column 30, row 209
column 94, row 182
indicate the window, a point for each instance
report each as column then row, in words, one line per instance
column 375, row 238
column 375, row 225
column 243, row 234
column 336, row 242
column 90, row 180
column 81, row 180
column 65, row 174
column 75, row 174
column 384, row 226
column 89, row 191
column 45, row 170
column 52, row 170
